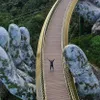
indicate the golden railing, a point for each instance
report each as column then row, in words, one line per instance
column 40, row 89
column 40, row 83
column 68, row 75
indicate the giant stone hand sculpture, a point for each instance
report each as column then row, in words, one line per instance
column 13, row 82
column 95, row 2
column 16, row 81
column 87, row 83
column 4, row 43
column 26, row 50
column 90, row 10
column 96, row 27
column 15, row 50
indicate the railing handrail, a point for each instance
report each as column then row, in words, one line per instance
column 39, row 68
column 68, row 75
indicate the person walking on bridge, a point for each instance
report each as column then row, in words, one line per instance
column 51, row 64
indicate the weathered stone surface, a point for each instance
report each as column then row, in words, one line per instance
column 15, row 49
column 27, row 54
column 96, row 28
column 16, row 81
column 87, row 83
column 89, row 9
column 4, row 43
column 95, row 2
column 13, row 82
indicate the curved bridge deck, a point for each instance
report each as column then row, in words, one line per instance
column 57, row 84
column 56, row 87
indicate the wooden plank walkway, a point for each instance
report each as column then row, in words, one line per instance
column 56, row 87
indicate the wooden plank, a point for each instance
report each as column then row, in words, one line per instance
column 56, row 88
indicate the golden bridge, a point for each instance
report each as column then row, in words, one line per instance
column 57, row 84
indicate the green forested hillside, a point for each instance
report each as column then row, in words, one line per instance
column 28, row 13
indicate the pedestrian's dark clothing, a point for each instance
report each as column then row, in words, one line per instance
column 51, row 64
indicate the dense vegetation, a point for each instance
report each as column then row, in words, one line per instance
column 88, row 42
column 28, row 13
